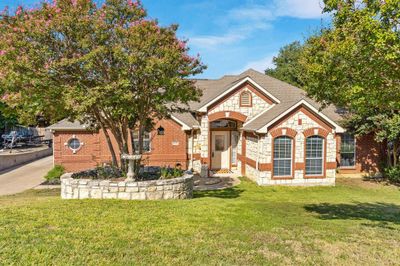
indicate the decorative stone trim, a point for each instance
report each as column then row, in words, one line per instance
column 227, row 114
column 177, row 188
column 315, row 132
column 284, row 131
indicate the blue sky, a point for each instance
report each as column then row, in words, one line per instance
column 232, row 35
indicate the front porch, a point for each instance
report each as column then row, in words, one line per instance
column 224, row 137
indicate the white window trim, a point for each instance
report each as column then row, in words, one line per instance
column 323, row 159
column 281, row 159
column 66, row 144
column 149, row 139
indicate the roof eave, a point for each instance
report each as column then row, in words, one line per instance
column 337, row 128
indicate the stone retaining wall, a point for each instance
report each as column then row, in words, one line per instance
column 177, row 188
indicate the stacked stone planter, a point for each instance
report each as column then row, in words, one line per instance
column 177, row 188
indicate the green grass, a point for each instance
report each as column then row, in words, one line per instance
column 352, row 223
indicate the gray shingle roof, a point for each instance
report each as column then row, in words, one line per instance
column 65, row 124
column 187, row 119
column 287, row 94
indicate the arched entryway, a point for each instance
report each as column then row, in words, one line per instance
column 224, row 139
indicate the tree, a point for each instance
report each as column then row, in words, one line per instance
column 287, row 66
column 110, row 66
column 355, row 65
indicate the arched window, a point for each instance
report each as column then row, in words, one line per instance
column 245, row 98
column 283, row 156
column 314, row 156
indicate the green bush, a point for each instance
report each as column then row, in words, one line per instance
column 169, row 173
column 393, row 174
column 100, row 172
column 53, row 176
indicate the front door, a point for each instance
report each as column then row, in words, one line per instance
column 220, row 150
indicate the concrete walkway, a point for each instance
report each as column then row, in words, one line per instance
column 25, row 177
column 221, row 181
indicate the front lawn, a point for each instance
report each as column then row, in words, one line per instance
column 352, row 223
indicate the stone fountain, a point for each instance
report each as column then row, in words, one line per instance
column 131, row 158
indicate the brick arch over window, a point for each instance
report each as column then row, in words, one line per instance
column 246, row 99
column 283, row 131
column 227, row 115
column 316, row 131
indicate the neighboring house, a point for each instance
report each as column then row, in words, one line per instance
column 250, row 124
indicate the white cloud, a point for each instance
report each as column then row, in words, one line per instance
column 259, row 65
column 255, row 13
column 210, row 41
column 237, row 34
column 305, row 9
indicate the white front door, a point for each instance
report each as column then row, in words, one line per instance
column 220, row 150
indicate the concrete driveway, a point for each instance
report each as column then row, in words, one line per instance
column 25, row 177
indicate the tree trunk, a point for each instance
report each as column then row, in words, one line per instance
column 140, row 149
column 108, row 139
column 395, row 157
column 110, row 147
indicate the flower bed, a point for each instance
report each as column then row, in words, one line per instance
column 176, row 188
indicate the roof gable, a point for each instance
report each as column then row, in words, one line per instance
column 264, row 122
column 231, row 90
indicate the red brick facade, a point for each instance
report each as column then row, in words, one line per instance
column 166, row 150
column 369, row 154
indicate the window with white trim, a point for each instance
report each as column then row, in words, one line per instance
column 146, row 141
column 314, row 156
column 283, row 156
column 347, row 151
column 245, row 98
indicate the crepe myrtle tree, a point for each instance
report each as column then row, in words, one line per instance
column 109, row 66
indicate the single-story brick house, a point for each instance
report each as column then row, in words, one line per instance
column 250, row 124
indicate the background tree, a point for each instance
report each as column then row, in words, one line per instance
column 355, row 64
column 287, row 65
column 109, row 66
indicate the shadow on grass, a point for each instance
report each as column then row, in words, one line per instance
column 228, row 193
column 375, row 212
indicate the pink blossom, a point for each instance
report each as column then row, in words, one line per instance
column 2, row 52
column 130, row 3
column 5, row 97
column 181, row 44
column 74, row 2
column 19, row 10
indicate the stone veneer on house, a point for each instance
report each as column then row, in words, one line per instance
column 264, row 144
column 177, row 188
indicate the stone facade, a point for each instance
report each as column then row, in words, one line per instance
column 300, row 122
column 233, row 104
column 177, row 188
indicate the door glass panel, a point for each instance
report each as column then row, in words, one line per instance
column 219, row 143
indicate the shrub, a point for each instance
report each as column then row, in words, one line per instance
column 53, row 176
column 100, row 172
column 393, row 174
column 169, row 173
